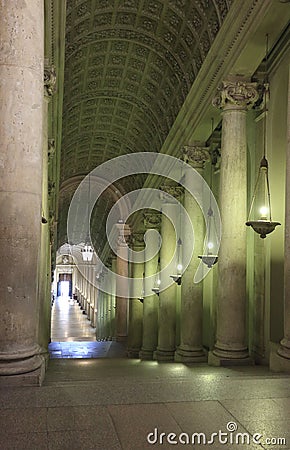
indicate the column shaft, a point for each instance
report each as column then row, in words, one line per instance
column 21, row 125
column 231, row 339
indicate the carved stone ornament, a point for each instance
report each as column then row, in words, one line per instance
column 167, row 192
column 195, row 156
column 138, row 240
column 242, row 94
column 49, row 81
column 152, row 220
column 51, row 148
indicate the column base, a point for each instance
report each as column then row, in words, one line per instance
column 121, row 338
column 133, row 353
column 163, row 355
column 222, row 361
column 33, row 378
column 280, row 358
column 190, row 356
column 146, row 355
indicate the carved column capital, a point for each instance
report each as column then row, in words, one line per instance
column 171, row 194
column 240, row 94
column 49, row 81
column 195, row 155
column 137, row 240
column 152, row 219
column 50, row 149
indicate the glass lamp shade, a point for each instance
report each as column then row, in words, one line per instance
column 87, row 253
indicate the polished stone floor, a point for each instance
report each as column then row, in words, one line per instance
column 117, row 403
column 72, row 336
column 111, row 404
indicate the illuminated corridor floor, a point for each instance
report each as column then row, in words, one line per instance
column 72, row 336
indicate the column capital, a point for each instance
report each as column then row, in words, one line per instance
column 239, row 94
column 195, row 155
column 50, row 149
column 152, row 219
column 137, row 240
column 49, row 81
column 167, row 192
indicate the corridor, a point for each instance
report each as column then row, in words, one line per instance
column 72, row 335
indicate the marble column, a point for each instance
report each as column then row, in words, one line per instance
column 152, row 221
column 280, row 358
column 113, row 299
column 191, row 312
column 235, row 98
column 135, row 306
column 122, row 286
column 167, row 298
column 21, row 125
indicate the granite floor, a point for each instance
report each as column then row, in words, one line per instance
column 112, row 403
column 116, row 403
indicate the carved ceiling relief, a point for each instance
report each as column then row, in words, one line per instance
column 129, row 66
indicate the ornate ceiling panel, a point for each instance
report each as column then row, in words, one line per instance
column 129, row 65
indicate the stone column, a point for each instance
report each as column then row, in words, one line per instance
column 280, row 359
column 21, row 125
column 191, row 311
column 167, row 298
column 135, row 306
column 235, row 98
column 122, row 284
column 152, row 221
column 44, row 300
column 113, row 300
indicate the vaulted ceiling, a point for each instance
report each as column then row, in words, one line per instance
column 129, row 65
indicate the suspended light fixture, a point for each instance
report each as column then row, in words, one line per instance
column 87, row 251
column 263, row 225
column 178, row 277
column 209, row 259
column 141, row 298
column 157, row 282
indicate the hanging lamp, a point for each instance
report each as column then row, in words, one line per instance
column 178, row 277
column 141, row 298
column 157, row 282
column 87, row 251
column 209, row 259
column 263, row 225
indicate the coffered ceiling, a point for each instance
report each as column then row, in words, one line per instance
column 129, row 65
